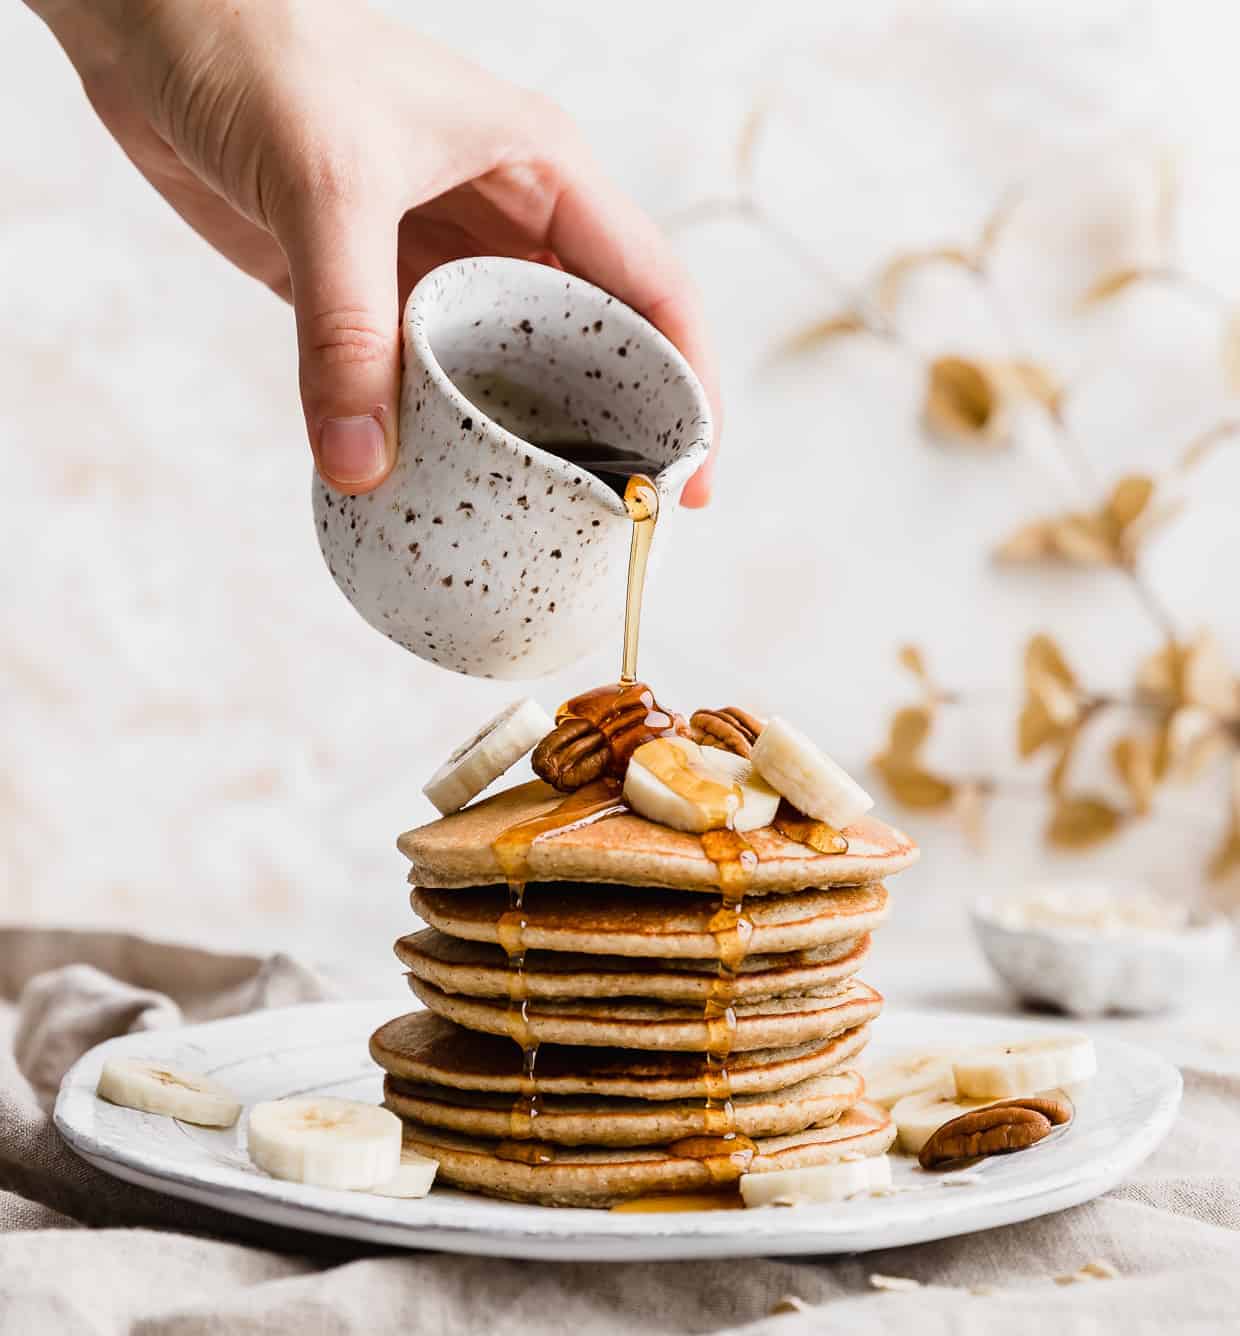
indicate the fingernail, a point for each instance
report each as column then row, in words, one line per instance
column 352, row 450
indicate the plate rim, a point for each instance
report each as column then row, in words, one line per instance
column 566, row 1233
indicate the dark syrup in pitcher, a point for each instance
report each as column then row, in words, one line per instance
column 612, row 464
column 544, row 421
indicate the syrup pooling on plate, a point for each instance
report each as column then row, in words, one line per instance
column 659, row 1203
column 592, row 803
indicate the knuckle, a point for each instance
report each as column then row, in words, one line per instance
column 346, row 336
column 330, row 177
column 327, row 172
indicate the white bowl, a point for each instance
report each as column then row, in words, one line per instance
column 1089, row 973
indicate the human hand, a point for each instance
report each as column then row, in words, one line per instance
column 338, row 156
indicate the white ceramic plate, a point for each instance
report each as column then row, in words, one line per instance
column 1120, row 1117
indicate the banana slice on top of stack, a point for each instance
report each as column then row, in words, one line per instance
column 811, row 781
column 676, row 782
column 493, row 750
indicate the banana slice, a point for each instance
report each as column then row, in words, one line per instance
column 818, row 1183
column 1007, row 1071
column 666, row 782
column 412, row 1179
column 331, row 1143
column 153, row 1088
column 759, row 802
column 807, row 776
column 918, row 1117
column 677, row 783
column 495, row 747
column 887, row 1083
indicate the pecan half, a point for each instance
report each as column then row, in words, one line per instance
column 731, row 728
column 997, row 1129
column 572, row 755
column 1056, row 1111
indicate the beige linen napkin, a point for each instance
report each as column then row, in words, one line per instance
column 1171, row 1235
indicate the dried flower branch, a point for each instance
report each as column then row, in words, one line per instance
column 1207, row 443
column 1184, row 705
column 1107, row 536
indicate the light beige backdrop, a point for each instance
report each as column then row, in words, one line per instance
column 201, row 740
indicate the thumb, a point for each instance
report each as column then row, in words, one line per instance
column 342, row 265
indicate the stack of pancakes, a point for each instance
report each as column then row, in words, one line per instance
column 608, row 1093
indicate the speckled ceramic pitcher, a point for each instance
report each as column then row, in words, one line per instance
column 483, row 552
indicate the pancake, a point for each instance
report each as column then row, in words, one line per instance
column 423, row 1047
column 479, row 969
column 777, row 1022
column 456, row 851
column 584, row 1120
column 596, row 1176
column 653, row 922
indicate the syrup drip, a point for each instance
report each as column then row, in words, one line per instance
column 592, row 803
column 525, row 1152
column 726, row 1157
column 626, row 712
column 820, row 837
column 725, row 1153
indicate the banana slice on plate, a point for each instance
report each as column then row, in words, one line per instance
column 412, row 1179
column 327, row 1142
column 154, row 1088
column 805, row 775
column 817, row 1183
column 918, row 1117
column 497, row 745
column 1006, row 1071
column 887, row 1083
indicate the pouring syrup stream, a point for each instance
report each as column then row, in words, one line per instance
column 626, row 716
column 641, row 500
